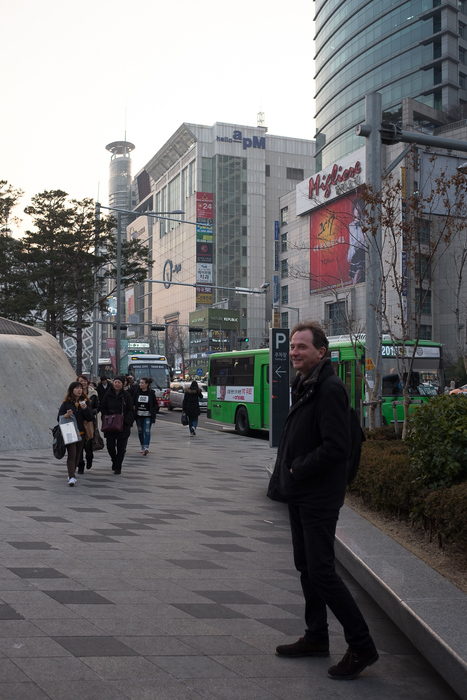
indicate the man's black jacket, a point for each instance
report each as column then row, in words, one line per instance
column 315, row 443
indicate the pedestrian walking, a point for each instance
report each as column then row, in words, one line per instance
column 146, row 407
column 117, row 401
column 103, row 387
column 131, row 386
column 91, row 395
column 191, row 405
column 75, row 404
column 310, row 475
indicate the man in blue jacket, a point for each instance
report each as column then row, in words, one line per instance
column 311, row 477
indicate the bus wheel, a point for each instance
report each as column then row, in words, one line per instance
column 242, row 424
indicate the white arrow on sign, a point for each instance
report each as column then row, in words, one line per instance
column 280, row 371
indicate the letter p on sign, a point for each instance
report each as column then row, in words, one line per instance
column 280, row 339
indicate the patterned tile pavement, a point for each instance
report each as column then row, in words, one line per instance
column 172, row 581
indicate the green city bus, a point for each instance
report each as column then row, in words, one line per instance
column 427, row 377
column 238, row 389
column 238, row 384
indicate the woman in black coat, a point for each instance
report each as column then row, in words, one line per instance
column 75, row 404
column 117, row 401
column 93, row 399
column 191, row 405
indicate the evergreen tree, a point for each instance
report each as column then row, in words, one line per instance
column 70, row 258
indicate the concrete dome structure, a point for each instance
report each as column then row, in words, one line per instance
column 34, row 376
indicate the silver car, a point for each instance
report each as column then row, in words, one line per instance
column 177, row 392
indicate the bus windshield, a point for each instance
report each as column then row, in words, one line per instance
column 425, row 379
column 159, row 373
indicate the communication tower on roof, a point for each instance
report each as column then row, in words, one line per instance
column 120, row 174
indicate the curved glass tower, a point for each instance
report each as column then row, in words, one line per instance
column 400, row 49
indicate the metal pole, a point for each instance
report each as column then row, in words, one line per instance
column 118, row 317
column 95, row 326
column 373, row 329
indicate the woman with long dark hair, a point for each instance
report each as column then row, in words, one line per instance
column 117, row 401
column 146, row 407
column 191, row 405
column 75, row 403
column 93, row 399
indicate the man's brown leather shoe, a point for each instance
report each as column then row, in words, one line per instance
column 303, row 648
column 353, row 664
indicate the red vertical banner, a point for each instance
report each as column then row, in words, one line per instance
column 204, row 207
column 112, row 348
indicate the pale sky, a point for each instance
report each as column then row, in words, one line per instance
column 75, row 74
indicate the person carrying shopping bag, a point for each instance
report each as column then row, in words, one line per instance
column 91, row 394
column 75, row 404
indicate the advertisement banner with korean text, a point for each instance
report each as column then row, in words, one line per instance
column 204, row 206
column 236, row 393
column 204, row 273
column 204, row 294
column 203, row 252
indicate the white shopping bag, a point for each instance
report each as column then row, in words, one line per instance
column 69, row 428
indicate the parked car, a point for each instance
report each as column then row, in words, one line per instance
column 177, row 391
column 461, row 390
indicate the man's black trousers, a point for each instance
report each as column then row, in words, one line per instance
column 313, row 534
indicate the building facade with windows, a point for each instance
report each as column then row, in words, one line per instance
column 227, row 179
column 402, row 49
column 322, row 272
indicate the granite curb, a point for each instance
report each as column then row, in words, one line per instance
column 424, row 605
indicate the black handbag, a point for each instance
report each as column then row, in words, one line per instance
column 58, row 444
column 97, row 441
column 184, row 418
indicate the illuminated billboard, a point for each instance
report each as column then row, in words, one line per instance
column 337, row 247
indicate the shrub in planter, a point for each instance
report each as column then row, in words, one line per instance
column 385, row 433
column 447, row 509
column 384, row 479
column 438, row 442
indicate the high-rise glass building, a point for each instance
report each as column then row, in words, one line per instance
column 411, row 48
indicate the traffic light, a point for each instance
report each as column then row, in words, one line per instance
column 158, row 328
column 195, row 329
column 122, row 327
column 243, row 340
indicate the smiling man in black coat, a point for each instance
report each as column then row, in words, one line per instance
column 311, row 477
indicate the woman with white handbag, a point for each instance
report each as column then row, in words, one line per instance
column 71, row 414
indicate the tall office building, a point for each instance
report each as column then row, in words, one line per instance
column 227, row 178
column 412, row 48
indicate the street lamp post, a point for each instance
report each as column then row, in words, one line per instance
column 118, row 317
column 293, row 308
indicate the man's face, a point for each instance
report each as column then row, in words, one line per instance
column 303, row 353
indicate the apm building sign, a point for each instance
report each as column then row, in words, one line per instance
column 341, row 177
column 246, row 141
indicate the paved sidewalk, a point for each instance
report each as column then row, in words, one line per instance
column 172, row 581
